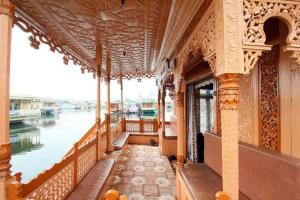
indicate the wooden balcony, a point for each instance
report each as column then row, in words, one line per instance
column 83, row 173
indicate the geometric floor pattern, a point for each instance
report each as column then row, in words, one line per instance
column 142, row 173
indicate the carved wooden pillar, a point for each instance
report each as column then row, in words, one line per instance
column 229, row 101
column 98, row 61
column 122, row 100
column 158, row 109
column 110, row 147
column 6, row 21
column 163, row 123
column 180, row 128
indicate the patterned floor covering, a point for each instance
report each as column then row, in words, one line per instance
column 142, row 173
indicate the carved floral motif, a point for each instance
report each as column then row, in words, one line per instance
column 229, row 91
column 202, row 42
column 256, row 12
column 5, row 156
column 129, row 30
column 7, row 8
column 269, row 100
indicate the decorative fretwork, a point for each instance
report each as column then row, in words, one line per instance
column 132, row 126
column 256, row 12
column 148, row 126
column 56, row 188
column 201, row 42
column 86, row 161
column 269, row 113
column 131, row 31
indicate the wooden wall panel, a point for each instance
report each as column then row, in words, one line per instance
column 269, row 105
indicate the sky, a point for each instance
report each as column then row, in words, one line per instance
column 41, row 73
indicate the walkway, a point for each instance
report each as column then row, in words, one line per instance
column 142, row 173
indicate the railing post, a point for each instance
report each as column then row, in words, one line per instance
column 123, row 124
column 142, row 125
column 97, row 143
column 14, row 190
column 75, row 163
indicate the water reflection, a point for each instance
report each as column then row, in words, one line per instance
column 25, row 142
column 38, row 144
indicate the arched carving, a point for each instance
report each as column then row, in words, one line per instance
column 256, row 12
column 202, row 41
column 168, row 84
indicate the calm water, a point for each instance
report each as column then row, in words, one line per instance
column 48, row 141
column 39, row 144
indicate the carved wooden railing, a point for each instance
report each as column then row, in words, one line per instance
column 89, row 136
column 141, row 125
column 59, row 181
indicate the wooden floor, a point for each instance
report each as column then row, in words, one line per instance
column 142, row 173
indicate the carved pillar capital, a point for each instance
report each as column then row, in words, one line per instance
column 229, row 91
column 5, row 156
column 7, row 8
column 180, row 99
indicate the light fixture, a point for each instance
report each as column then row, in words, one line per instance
column 139, row 79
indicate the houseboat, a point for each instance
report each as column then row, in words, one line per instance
column 131, row 107
column 50, row 107
column 24, row 108
column 115, row 107
column 231, row 69
column 148, row 107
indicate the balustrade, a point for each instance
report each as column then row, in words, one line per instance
column 141, row 125
column 59, row 181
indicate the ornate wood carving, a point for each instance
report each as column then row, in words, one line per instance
column 256, row 12
column 7, row 8
column 201, row 41
column 130, row 31
column 5, row 156
column 269, row 111
column 228, row 91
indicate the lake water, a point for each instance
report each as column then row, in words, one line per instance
column 43, row 142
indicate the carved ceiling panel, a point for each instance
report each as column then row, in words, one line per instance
column 129, row 30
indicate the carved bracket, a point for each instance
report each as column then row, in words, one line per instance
column 211, row 59
column 295, row 54
column 252, row 54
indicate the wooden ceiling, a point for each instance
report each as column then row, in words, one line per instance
column 131, row 29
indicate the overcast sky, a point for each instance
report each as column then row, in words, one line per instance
column 41, row 73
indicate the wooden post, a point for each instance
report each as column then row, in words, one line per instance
column 163, row 124
column 141, row 125
column 158, row 109
column 7, row 9
column 122, row 101
column 180, row 137
column 229, row 101
column 98, row 61
column 110, row 147
column 97, row 146
column 180, row 128
column 75, row 163
column 124, row 124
